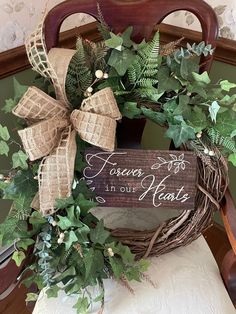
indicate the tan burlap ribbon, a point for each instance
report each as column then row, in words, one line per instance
column 53, row 125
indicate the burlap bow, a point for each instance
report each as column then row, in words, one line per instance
column 53, row 126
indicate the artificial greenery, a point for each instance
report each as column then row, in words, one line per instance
column 72, row 249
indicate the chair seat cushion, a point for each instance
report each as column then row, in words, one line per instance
column 187, row 280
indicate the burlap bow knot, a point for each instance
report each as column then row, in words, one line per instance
column 53, row 125
column 52, row 136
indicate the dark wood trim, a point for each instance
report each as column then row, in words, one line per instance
column 15, row 60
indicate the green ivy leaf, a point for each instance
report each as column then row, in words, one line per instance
column 11, row 229
column 183, row 107
column 180, row 134
column 67, row 274
column 125, row 253
column 201, row 78
column 70, row 239
column 4, row 148
column 31, row 297
column 71, row 220
column 36, row 218
column 197, row 119
column 157, row 117
column 188, row 66
column 127, row 42
column 80, row 164
column 81, row 305
column 233, row 134
column 226, row 85
column 143, row 265
column 99, row 234
column 166, row 82
column 121, row 60
column 232, row 158
column 84, row 204
column 18, row 257
column 24, row 243
column 130, row 110
column 114, row 42
column 213, row 109
column 52, row 292
column 117, row 266
column 4, row 134
column 94, row 264
column 63, row 203
column 19, row 89
column 9, row 105
column 226, row 123
column 19, row 160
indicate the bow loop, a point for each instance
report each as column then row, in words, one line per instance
column 52, row 130
column 103, row 103
column 36, row 105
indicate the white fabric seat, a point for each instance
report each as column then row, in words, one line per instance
column 188, row 281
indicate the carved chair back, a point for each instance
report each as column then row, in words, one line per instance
column 143, row 15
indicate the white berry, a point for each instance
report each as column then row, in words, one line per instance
column 211, row 153
column 105, row 76
column 89, row 89
column 54, row 223
column 60, row 241
column 199, row 135
column 1, row 177
column 110, row 252
column 206, row 151
column 62, row 235
column 99, row 74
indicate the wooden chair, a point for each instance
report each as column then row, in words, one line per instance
column 144, row 15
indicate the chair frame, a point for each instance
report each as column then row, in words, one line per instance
column 122, row 13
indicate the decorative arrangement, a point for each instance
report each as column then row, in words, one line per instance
column 93, row 87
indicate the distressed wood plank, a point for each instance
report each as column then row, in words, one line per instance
column 142, row 178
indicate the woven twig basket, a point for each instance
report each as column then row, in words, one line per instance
column 212, row 181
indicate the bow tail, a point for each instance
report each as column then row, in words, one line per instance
column 56, row 172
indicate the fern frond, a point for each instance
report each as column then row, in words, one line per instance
column 222, row 141
column 79, row 75
column 143, row 71
column 103, row 27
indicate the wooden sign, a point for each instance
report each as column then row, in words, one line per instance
column 142, row 178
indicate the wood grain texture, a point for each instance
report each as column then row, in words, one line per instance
column 142, row 178
column 142, row 15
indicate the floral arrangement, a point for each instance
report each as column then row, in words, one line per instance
column 72, row 249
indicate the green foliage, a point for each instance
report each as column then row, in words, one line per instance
column 99, row 234
column 156, row 117
column 213, row 109
column 19, row 160
column 232, row 159
column 180, row 134
column 79, row 76
column 130, row 110
column 223, row 142
column 19, row 91
column 18, row 257
column 4, row 134
column 194, row 49
column 21, row 190
column 142, row 72
column 102, row 25
column 31, row 297
column 4, row 148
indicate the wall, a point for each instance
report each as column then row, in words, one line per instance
column 19, row 17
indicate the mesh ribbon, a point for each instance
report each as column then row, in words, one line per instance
column 52, row 126
column 53, row 137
